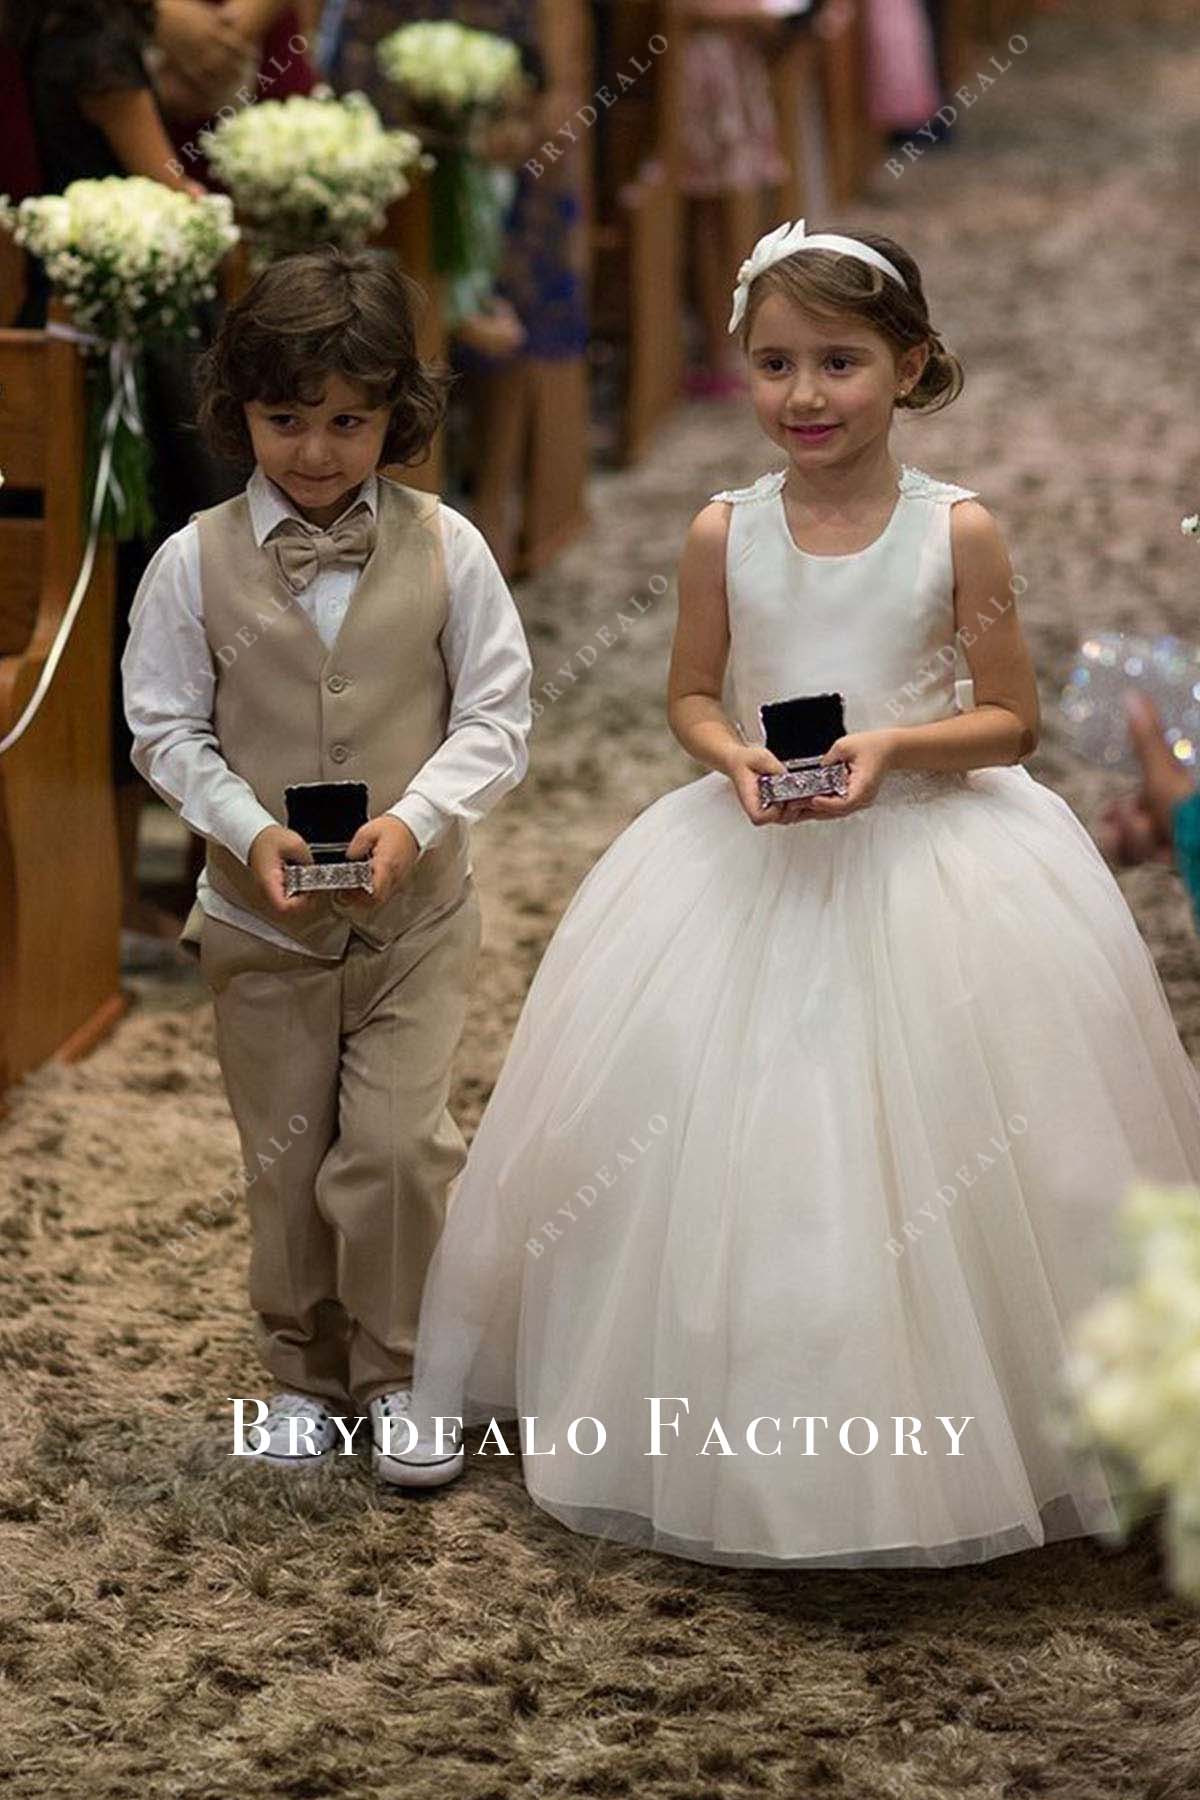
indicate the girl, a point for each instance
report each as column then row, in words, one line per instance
column 814, row 1122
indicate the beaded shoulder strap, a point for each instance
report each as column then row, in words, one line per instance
column 927, row 487
column 914, row 482
column 763, row 489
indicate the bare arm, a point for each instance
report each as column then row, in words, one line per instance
column 1005, row 723
column 252, row 19
column 701, row 646
column 698, row 659
column 132, row 123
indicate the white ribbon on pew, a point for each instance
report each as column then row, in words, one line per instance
column 122, row 406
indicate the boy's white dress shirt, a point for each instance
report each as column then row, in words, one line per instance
column 170, row 683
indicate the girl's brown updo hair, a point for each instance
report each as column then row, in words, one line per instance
column 824, row 281
column 324, row 312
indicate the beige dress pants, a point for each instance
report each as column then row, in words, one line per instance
column 338, row 1074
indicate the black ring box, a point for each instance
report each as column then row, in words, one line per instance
column 799, row 731
column 327, row 814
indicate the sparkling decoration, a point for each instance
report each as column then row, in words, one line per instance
column 802, row 780
column 313, row 878
column 1107, row 664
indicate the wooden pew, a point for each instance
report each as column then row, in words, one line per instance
column 12, row 280
column 998, row 19
column 638, row 235
column 653, row 258
column 968, row 27
column 60, row 904
column 408, row 232
column 855, row 148
column 798, row 81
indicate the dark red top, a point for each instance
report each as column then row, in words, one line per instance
column 20, row 169
column 287, row 71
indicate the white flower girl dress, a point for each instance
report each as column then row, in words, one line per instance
column 825, row 1122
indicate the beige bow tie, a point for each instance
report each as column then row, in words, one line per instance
column 300, row 550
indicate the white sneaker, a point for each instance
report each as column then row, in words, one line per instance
column 425, row 1465
column 300, row 1432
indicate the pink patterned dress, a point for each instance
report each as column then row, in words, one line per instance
column 728, row 124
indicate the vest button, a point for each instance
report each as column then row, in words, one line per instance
column 338, row 753
column 337, row 683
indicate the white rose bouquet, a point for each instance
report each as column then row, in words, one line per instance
column 451, row 81
column 132, row 259
column 1135, row 1371
column 310, row 170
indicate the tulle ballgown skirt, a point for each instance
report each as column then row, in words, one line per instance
column 826, row 1122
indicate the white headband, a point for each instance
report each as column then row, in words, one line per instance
column 785, row 240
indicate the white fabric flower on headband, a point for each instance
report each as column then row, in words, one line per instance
column 785, row 240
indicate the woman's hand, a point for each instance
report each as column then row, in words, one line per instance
column 496, row 331
column 200, row 40
column 205, row 63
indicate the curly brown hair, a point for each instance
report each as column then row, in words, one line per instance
column 827, row 281
column 325, row 312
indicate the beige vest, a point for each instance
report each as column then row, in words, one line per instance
column 374, row 707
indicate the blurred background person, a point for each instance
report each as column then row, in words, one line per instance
column 85, row 78
column 1160, row 822
column 731, row 159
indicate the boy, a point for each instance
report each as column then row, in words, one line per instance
column 331, row 624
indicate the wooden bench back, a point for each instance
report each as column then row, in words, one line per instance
column 59, row 883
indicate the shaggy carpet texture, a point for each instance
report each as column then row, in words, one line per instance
column 177, row 1625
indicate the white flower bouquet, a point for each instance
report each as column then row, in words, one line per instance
column 450, row 73
column 1135, row 1371
column 132, row 259
column 310, row 170
column 451, row 80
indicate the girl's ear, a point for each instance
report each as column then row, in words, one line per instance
column 911, row 365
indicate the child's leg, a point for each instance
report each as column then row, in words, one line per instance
column 278, row 1018
column 385, row 1179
